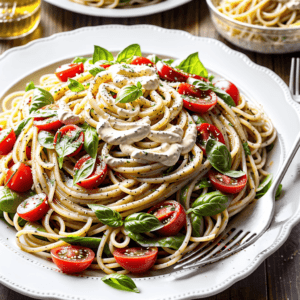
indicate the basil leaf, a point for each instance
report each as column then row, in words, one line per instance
column 209, row 204
column 75, row 86
column 101, row 54
column 79, row 59
column 107, row 215
column 66, row 145
column 183, row 194
column 21, row 221
column 278, row 192
column 234, row 174
column 120, row 282
column 204, row 183
column 154, row 58
column 218, row 155
column 36, row 227
column 130, row 93
column 270, row 147
column 30, row 86
column 96, row 70
column 142, row 222
column 196, row 225
column 128, row 53
column 263, row 187
column 205, row 86
column 246, row 148
column 40, row 99
column 198, row 119
column 89, row 242
column 18, row 129
column 44, row 113
column 10, row 200
column 91, row 141
column 193, row 65
column 211, row 77
column 46, row 139
column 173, row 242
column 168, row 61
column 85, row 170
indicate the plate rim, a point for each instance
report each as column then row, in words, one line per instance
column 118, row 13
column 286, row 227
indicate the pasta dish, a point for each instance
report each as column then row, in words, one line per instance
column 128, row 163
column 269, row 13
column 116, row 3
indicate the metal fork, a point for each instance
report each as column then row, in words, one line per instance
column 252, row 222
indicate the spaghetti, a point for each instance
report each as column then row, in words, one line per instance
column 152, row 151
column 269, row 13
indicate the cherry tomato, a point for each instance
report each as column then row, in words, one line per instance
column 137, row 259
column 225, row 183
column 10, row 164
column 8, row 139
column 197, row 100
column 105, row 66
column 208, row 131
column 71, row 131
column 142, row 61
column 34, row 208
column 70, row 72
column 28, row 152
column 19, row 178
column 48, row 124
column 72, row 259
column 98, row 175
column 230, row 89
column 171, row 214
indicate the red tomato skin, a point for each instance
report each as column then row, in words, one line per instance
column 54, row 125
column 98, row 175
column 201, row 106
column 28, row 152
column 177, row 221
column 37, row 213
column 142, row 61
column 64, row 130
column 105, row 66
column 136, row 264
column 22, row 180
column 71, row 267
column 10, row 164
column 168, row 73
column 205, row 129
column 71, row 72
column 225, row 186
column 230, row 89
column 8, row 143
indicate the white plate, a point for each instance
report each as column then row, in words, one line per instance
column 118, row 12
column 35, row 277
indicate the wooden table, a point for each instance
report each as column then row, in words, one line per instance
column 279, row 276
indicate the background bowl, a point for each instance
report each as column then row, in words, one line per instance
column 253, row 37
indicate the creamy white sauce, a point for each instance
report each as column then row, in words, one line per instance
column 189, row 139
column 291, row 4
column 66, row 115
column 170, row 136
column 166, row 154
column 116, row 137
column 123, row 74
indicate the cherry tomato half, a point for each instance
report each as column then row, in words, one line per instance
column 19, row 178
column 197, row 100
column 70, row 72
column 48, row 124
column 34, row 208
column 71, row 131
column 98, row 175
column 225, row 183
column 28, row 152
column 137, row 259
column 171, row 214
column 72, row 259
column 208, row 131
column 142, row 61
column 230, row 89
column 8, row 139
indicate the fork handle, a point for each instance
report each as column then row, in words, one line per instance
column 284, row 167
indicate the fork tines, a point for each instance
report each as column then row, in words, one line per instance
column 294, row 82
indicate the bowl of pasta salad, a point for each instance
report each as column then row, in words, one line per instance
column 265, row 26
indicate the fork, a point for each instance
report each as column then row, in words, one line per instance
column 252, row 222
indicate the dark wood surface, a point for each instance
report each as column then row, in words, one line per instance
column 278, row 278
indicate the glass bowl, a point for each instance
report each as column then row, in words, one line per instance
column 253, row 37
